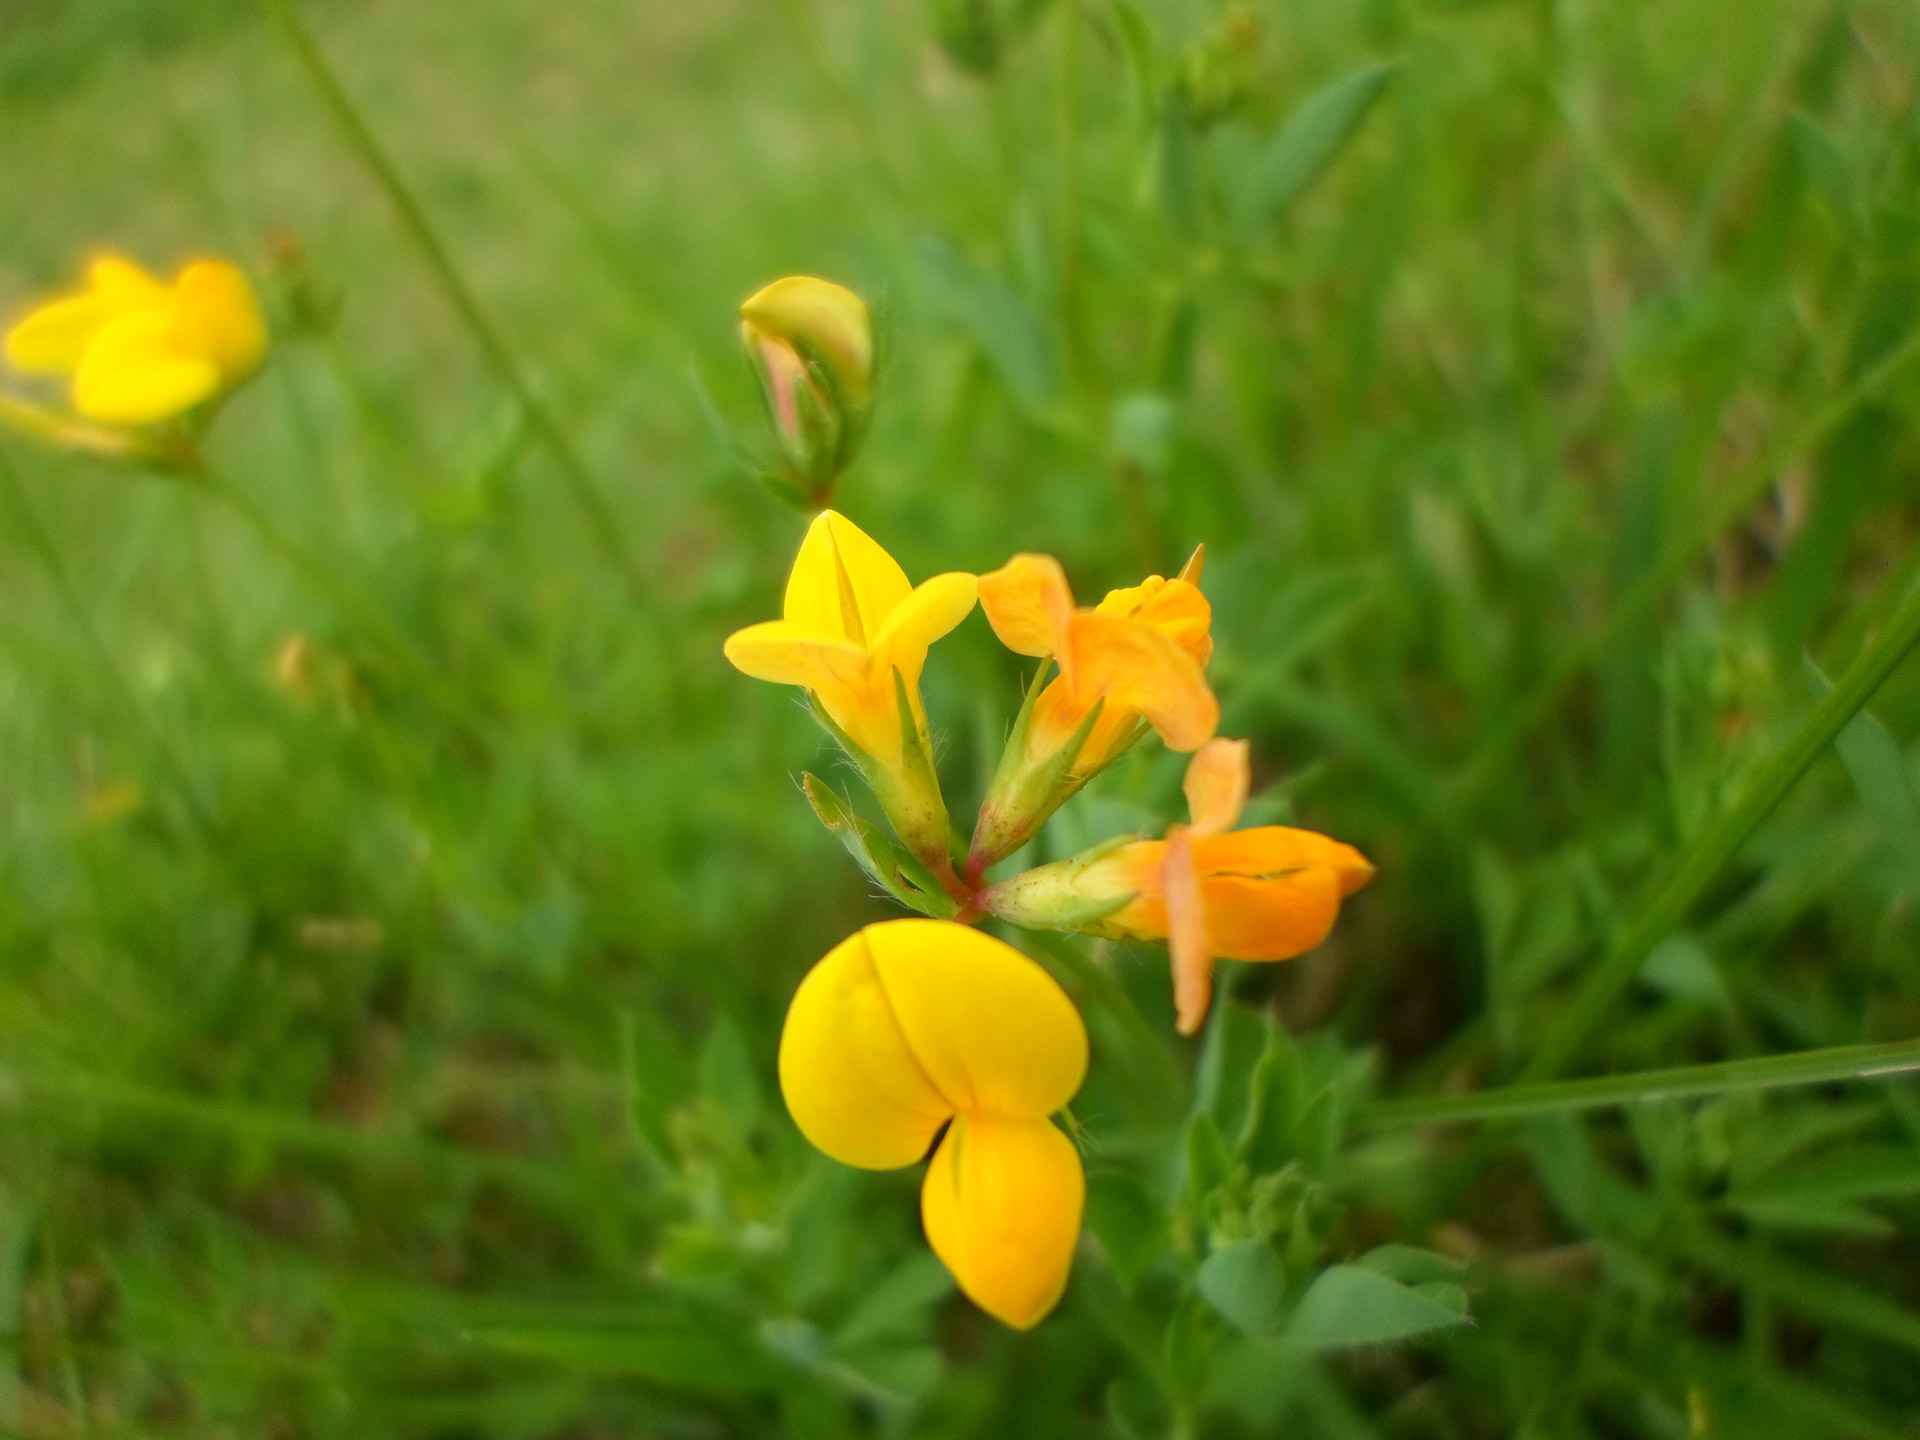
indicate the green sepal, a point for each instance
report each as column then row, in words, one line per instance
column 886, row 864
column 1031, row 794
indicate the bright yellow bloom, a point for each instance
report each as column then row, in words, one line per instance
column 811, row 343
column 855, row 634
column 911, row 1025
column 1139, row 656
column 1264, row 894
column 138, row 350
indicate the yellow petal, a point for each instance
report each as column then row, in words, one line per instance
column 829, row 318
column 843, row 584
column 1216, row 785
column 219, row 319
column 932, row 610
column 1187, row 936
column 1001, row 1204
column 122, row 284
column 52, row 339
column 1027, row 601
column 849, row 1078
column 133, row 372
column 786, row 654
column 1139, row 669
column 990, row 1028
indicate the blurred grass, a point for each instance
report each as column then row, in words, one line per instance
column 389, row 1053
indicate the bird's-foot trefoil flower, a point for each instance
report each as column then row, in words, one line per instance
column 1208, row 890
column 910, row 1026
column 854, row 633
column 137, row 352
column 810, row 343
column 1133, row 662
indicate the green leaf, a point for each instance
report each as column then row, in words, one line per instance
column 1827, row 170
column 1245, row 1282
column 1879, row 772
column 1350, row 1305
column 690, row 1359
column 1409, row 1265
column 891, row 868
column 1208, row 1161
column 898, row 1303
column 1128, row 1221
column 998, row 319
column 726, row 1074
column 1306, row 144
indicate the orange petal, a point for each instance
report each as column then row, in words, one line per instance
column 1027, row 601
column 1002, row 1204
column 1216, row 785
column 1196, row 563
column 1274, row 893
column 1139, row 669
column 1186, row 934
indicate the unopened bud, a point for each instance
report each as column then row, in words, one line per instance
column 811, row 345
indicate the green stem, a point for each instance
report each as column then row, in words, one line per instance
column 1673, row 562
column 493, row 346
column 1699, row 866
column 1067, row 115
column 1511, row 1102
column 1106, row 991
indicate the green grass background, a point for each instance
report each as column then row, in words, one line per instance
column 390, row 1052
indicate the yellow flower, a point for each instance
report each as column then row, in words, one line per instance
column 1137, row 659
column 139, row 351
column 912, row 1025
column 1269, row 893
column 811, row 343
column 855, row 634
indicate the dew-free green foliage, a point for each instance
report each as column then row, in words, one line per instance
column 399, row 896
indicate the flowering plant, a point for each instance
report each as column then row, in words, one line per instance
column 927, row 1034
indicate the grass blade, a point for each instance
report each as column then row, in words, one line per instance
column 1771, row 1072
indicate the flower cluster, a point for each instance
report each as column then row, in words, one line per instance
column 137, row 352
column 920, row 1031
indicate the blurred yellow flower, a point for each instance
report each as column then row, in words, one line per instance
column 140, row 351
column 1269, row 893
column 912, row 1025
column 1138, row 657
column 854, row 633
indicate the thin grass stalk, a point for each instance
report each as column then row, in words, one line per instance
column 41, row 543
column 1727, row 1077
column 1539, row 703
column 601, row 520
column 1697, row 869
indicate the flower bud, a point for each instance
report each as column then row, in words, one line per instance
column 811, row 345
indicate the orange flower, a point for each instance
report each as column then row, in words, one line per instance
column 1134, row 661
column 1264, row 894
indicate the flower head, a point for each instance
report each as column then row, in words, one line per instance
column 811, row 344
column 140, row 351
column 1134, row 661
column 1209, row 891
column 912, row 1025
column 854, row 633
